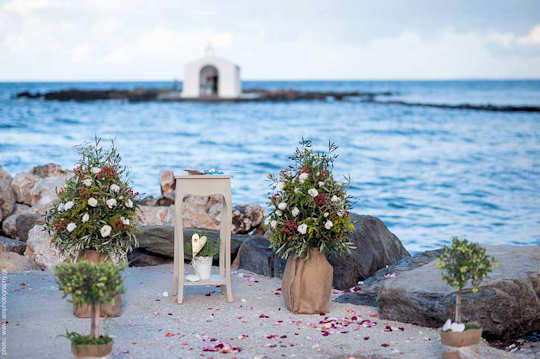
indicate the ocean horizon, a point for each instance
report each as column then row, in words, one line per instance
column 428, row 173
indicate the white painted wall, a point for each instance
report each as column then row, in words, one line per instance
column 229, row 85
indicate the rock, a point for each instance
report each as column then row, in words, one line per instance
column 141, row 258
column 154, row 216
column 371, row 287
column 22, row 186
column 39, row 249
column 9, row 224
column 11, row 245
column 160, row 201
column 246, row 218
column 255, row 255
column 4, row 175
column 167, row 183
column 14, row 262
column 506, row 306
column 376, row 247
column 48, row 170
column 160, row 240
column 25, row 222
column 7, row 199
column 44, row 192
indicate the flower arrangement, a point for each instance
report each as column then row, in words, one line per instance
column 460, row 263
column 94, row 284
column 309, row 208
column 96, row 208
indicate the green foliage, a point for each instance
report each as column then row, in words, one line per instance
column 309, row 208
column 80, row 339
column 210, row 249
column 463, row 262
column 90, row 283
column 96, row 209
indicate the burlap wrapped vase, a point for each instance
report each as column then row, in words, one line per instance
column 108, row 310
column 307, row 284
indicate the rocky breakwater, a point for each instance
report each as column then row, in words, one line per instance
column 507, row 305
column 24, row 199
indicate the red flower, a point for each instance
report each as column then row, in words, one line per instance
column 320, row 199
column 289, row 227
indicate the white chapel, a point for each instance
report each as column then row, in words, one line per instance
column 211, row 77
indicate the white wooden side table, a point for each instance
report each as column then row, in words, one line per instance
column 203, row 185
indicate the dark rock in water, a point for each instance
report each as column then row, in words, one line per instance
column 25, row 222
column 142, row 258
column 160, row 240
column 255, row 255
column 506, row 306
column 371, row 287
column 12, row 245
column 376, row 247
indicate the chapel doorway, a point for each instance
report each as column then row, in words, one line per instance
column 208, row 80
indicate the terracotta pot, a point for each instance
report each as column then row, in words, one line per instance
column 307, row 284
column 459, row 340
column 91, row 351
column 108, row 310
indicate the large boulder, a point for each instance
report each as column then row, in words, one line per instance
column 22, row 186
column 246, row 218
column 7, row 199
column 25, row 222
column 142, row 258
column 39, row 249
column 376, row 247
column 155, row 216
column 160, row 240
column 48, row 170
column 167, row 183
column 4, row 175
column 12, row 245
column 44, row 192
column 256, row 255
column 506, row 306
column 371, row 287
column 14, row 262
column 9, row 226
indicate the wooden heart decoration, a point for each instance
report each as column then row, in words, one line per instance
column 197, row 243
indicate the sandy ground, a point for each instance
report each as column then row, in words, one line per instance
column 255, row 325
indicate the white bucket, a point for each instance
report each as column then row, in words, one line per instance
column 202, row 266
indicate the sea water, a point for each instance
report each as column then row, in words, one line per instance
column 428, row 173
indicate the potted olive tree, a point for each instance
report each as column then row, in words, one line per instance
column 93, row 284
column 203, row 251
column 461, row 263
column 309, row 217
column 94, row 216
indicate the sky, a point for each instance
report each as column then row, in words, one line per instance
column 270, row 40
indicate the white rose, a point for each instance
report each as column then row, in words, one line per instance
column 92, row 202
column 68, row 205
column 295, row 211
column 296, row 190
column 303, row 177
column 111, row 202
column 273, row 224
column 321, row 183
column 279, row 186
column 282, row 206
column 115, row 187
column 95, row 170
column 87, row 182
column 335, row 198
column 125, row 221
column 313, row 192
column 60, row 207
column 302, row 228
column 129, row 203
column 326, row 214
column 105, row 230
column 71, row 227
column 340, row 213
column 328, row 224
column 85, row 218
column 279, row 213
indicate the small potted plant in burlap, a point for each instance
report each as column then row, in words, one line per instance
column 94, row 216
column 309, row 217
column 460, row 263
column 92, row 284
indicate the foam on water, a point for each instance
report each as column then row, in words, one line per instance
column 428, row 173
